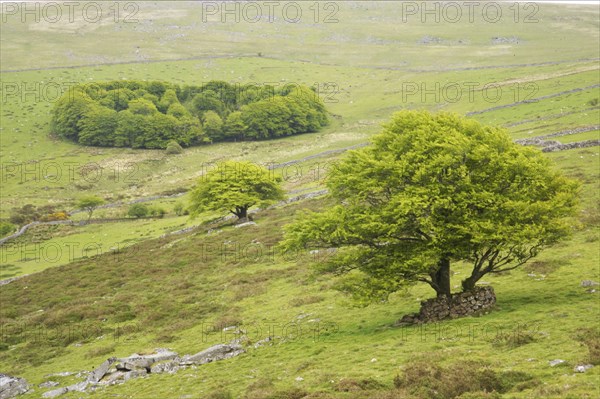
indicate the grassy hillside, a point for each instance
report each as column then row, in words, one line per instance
column 180, row 291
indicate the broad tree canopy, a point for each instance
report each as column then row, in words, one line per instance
column 432, row 190
column 235, row 187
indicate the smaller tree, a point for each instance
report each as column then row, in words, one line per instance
column 89, row 204
column 235, row 187
column 137, row 211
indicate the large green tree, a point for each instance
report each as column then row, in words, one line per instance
column 235, row 187
column 430, row 191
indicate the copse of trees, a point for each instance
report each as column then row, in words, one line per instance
column 153, row 114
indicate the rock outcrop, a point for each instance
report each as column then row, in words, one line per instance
column 212, row 354
column 119, row 370
column 12, row 386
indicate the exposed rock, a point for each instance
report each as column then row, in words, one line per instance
column 167, row 367
column 556, row 362
column 48, row 384
column 55, row 393
column 430, row 40
column 62, row 374
column 582, row 368
column 214, row 353
column 116, row 377
column 79, row 387
column 134, row 374
column 505, row 40
column 135, row 364
column 145, row 362
column 118, row 370
column 12, row 386
column 246, row 224
column 262, row 342
column 589, row 283
column 96, row 375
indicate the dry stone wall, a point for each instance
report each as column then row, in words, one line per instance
column 475, row 302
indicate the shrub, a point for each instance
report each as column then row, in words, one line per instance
column 178, row 208
column 138, row 211
column 157, row 212
column 55, row 216
column 351, row 385
column 6, row 228
column 590, row 337
column 173, row 148
column 219, row 394
column 432, row 381
column 480, row 395
column 24, row 215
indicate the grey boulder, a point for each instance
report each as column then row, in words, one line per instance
column 12, row 386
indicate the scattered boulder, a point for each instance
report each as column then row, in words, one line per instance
column 12, row 386
column 505, row 40
column 589, row 283
column 582, row 368
column 430, row 40
column 262, row 342
column 246, row 224
column 214, row 353
column 556, row 362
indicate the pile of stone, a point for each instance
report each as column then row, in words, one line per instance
column 118, row 370
column 475, row 302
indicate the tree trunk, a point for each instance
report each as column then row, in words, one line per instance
column 242, row 214
column 469, row 283
column 441, row 278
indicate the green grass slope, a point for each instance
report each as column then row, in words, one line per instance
column 180, row 291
